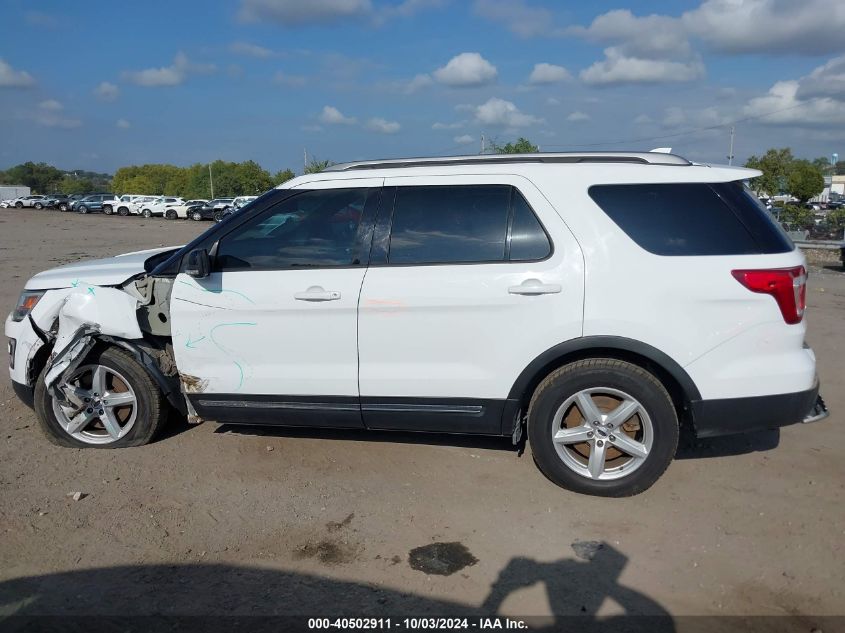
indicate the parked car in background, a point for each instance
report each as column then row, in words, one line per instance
column 160, row 205
column 28, row 201
column 180, row 211
column 124, row 205
column 56, row 201
column 92, row 203
column 207, row 211
column 237, row 204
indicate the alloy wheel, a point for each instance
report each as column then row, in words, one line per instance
column 602, row 433
column 101, row 405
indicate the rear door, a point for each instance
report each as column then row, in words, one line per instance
column 465, row 288
column 270, row 336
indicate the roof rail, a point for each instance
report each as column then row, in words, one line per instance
column 645, row 158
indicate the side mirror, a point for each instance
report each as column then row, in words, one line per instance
column 198, row 264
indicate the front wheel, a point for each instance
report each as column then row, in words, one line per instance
column 83, row 209
column 603, row 427
column 196, row 216
column 62, row 207
column 107, row 209
column 123, row 211
column 38, row 206
column 19, row 205
column 147, row 213
column 170, row 214
column 110, row 402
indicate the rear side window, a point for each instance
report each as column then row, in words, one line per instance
column 464, row 224
column 691, row 218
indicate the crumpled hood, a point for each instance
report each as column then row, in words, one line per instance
column 110, row 271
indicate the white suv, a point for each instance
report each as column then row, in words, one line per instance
column 601, row 299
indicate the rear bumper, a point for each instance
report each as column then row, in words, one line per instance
column 742, row 415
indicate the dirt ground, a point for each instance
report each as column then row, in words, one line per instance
column 216, row 519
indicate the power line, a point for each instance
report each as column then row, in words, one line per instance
column 689, row 131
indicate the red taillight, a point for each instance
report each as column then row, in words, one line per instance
column 787, row 285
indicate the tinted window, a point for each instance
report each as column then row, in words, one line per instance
column 449, row 224
column 689, row 219
column 314, row 228
column 528, row 239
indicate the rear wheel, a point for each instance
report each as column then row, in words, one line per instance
column 63, row 206
column 107, row 209
column 170, row 214
column 196, row 216
column 603, row 427
column 38, row 206
column 82, row 209
column 110, row 402
column 124, row 211
column 19, row 205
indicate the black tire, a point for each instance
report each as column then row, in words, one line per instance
column 38, row 206
column 151, row 415
column 218, row 216
column 147, row 213
column 170, row 214
column 19, row 205
column 196, row 216
column 123, row 211
column 107, row 209
column 82, row 209
column 62, row 207
column 594, row 373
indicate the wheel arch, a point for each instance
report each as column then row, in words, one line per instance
column 677, row 381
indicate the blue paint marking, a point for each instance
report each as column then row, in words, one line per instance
column 192, row 344
column 229, row 352
column 201, row 289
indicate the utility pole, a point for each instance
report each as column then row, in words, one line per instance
column 731, row 151
column 210, row 181
column 304, row 159
column 482, row 144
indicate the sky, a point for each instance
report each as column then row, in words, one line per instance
column 101, row 84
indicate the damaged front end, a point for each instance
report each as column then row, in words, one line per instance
column 134, row 317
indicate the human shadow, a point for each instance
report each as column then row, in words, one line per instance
column 222, row 597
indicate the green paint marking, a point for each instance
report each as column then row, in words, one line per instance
column 192, row 344
column 215, row 292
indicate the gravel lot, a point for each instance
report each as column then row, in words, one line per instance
column 214, row 519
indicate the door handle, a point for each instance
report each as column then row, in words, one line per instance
column 534, row 287
column 316, row 293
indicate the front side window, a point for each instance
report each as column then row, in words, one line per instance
column 311, row 229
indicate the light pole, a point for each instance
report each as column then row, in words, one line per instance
column 210, row 181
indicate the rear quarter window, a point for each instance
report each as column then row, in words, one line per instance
column 685, row 219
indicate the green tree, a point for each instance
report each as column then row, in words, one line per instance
column 797, row 216
column 839, row 168
column 520, row 146
column 804, row 180
column 71, row 184
column 252, row 179
column 283, row 176
column 316, row 165
column 775, row 165
column 40, row 177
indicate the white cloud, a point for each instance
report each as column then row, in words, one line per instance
column 466, row 69
column 618, row 68
column 548, row 74
column 827, row 80
column 251, row 50
column 652, row 36
column 291, row 81
column 810, row 27
column 782, row 106
column 107, row 91
column 643, row 119
column 464, row 139
column 298, row 13
column 577, row 116
column 332, row 116
column 123, row 124
column 674, row 117
column 50, row 113
column 383, row 126
column 500, row 113
column 173, row 75
column 448, row 126
column 516, row 15
column 11, row 78
column 418, row 83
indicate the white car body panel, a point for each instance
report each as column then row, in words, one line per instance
column 437, row 331
column 109, row 271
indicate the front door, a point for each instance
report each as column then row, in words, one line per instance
column 270, row 336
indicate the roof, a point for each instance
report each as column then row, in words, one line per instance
column 647, row 158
